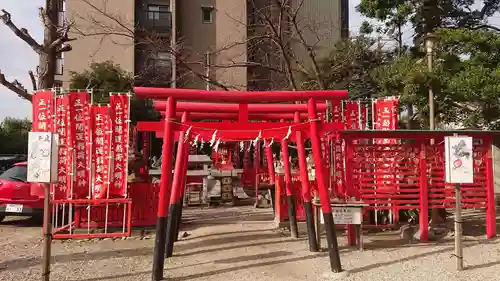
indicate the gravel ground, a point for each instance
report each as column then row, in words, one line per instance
column 241, row 244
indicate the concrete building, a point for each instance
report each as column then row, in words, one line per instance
column 212, row 38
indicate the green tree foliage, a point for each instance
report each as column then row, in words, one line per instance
column 14, row 136
column 465, row 74
column 429, row 15
column 469, row 70
column 349, row 66
column 465, row 79
column 106, row 77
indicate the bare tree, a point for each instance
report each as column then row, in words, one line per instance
column 54, row 43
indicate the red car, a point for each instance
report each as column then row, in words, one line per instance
column 17, row 196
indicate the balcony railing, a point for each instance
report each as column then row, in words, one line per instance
column 156, row 20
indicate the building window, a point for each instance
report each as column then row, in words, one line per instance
column 163, row 59
column 155, row 11
column 159, row 60
column 207, row 14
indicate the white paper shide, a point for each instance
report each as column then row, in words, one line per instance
column 42, row 157
column 459, row 159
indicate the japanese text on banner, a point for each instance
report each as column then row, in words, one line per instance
column 338, row 158
column 61, row 127
column 43, row 112
column 119, row 106
column 353, row 119
column 386, row 119
column 100, row 150
column 79, row 108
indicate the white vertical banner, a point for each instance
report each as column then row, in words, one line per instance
column 459, row 159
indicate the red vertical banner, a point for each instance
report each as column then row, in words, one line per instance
column 386, row 117
column 353, row 121
column 101, row 142
column 80, row 133
column 352, row 115
column 132, row 142
column 43, row 111
column 338, row 155
column 256, row 157
column 119, row 114
column 61, row 128
column 386, row 114
column 145, row 153
column 363, row 117
column 325, row 149
column 70, row 145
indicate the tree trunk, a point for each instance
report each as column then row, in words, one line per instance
column 48, row 60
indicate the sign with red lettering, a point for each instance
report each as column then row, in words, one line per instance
column 119, row 114
column 61, row 127
column 43, row 111
column 101, row 136
column 80, row 134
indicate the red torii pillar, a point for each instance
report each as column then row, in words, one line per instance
column 306, row 190
column 165, row 188
column 292, row 211
column 187, row 94
column 175, row 204
column 331, row 235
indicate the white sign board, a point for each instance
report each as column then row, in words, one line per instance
column 459, row 160
column 345, row 215
column 42, row 157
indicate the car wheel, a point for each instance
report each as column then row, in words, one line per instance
column 2, row 218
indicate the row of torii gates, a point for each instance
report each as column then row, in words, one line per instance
column 242, row 108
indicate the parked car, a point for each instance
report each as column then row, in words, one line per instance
column 7, row 160
column 17, row 196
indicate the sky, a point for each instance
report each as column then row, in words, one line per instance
column 16, row 58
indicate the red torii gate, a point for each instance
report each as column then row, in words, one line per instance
column 157, row 127
column 166, row 184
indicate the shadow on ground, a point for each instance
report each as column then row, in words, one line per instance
column 253, row 241
column 22, row 222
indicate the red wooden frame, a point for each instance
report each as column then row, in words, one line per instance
column 240, row 96
column 263, row 108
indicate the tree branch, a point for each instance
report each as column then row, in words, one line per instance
column 486, row 26
column 22, row 33
column 15, row 87
column 33, row 80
